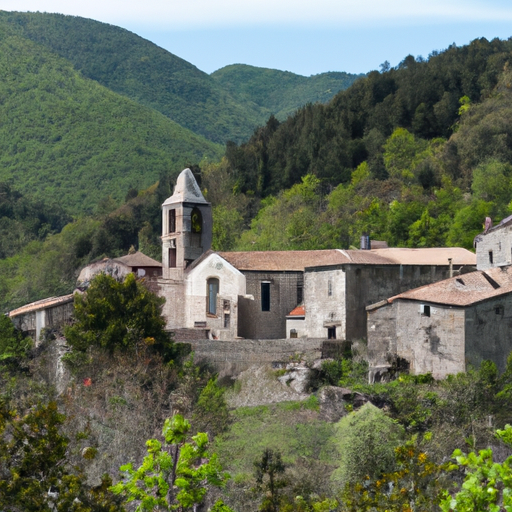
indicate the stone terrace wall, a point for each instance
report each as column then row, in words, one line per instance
column 233, row 357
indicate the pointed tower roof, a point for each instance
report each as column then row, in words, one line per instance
column 186, row 190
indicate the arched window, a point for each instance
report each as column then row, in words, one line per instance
column 196, row 221
column 212, row 290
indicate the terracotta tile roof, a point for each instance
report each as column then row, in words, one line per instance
column 138, row 259
column 428, row 256
column 299, row 260
column 465, row 289
column 298, row 311
column 41, row 304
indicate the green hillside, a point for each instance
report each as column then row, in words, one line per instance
column 146, row 73
column 227, row 105
column 70, row 139
column 280, row 92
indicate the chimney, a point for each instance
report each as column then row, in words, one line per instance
column 450, row 263
column 365, row 242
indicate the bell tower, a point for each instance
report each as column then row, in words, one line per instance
column 186, row 226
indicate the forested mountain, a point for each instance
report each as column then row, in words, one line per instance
column 66, row 137
column 280, row 92
column 418, row 156
column 331, row 140
column 154, row 77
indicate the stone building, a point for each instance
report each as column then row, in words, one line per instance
column 494, row 246
column 48, row 313
column 442, row 327
column 335, row 296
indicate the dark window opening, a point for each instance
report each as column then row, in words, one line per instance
column 196, row 221
column 293, row 333
column 212, row 290
column 331, row 333
column 227, row 321
column 426, row 311
column 172, row 257
column 265, row 296
column 299, row 294
column 172, row 221
column 490, row 257
column 499, row 310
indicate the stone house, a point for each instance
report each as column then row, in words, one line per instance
column 227, row 295
column 335, row 296
column 494, row 246
column 44, row 314
column 442, row 327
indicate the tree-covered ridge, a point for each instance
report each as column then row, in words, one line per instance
column 331, row 140
column 280, row 92
column 68, row 138
column 137, row 68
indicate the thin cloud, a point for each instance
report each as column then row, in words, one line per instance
column 206, row 13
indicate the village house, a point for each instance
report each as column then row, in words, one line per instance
column 442, row 327
column 335, row 296
column 49, row 313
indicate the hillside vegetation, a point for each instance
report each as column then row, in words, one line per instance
column 418, row 156
column 155, row 78
column 68, row 138
column 280, row 93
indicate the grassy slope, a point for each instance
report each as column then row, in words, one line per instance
column 146, row 73
column 66, row 137
column 280, row 92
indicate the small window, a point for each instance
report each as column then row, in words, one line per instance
column 172, row 257
column 172, row 221
column 331, row 333
column 490, row 257
column 227, row 320
column 499, row 310
column 212, row 292
column 299, row 294
column 265, row 296
column 293, row 333
column 329, row 288
column 425, row 310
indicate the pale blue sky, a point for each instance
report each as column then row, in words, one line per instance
column 302, row 36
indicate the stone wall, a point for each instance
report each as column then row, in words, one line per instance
column 173, row 309
column 494, row 249
column 489, row 331
column 233, row 357
column 432, row 343
column 253, row 323
column 369, row 284
column 381, row 338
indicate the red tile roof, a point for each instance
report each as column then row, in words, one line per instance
column 463, row 290
column 299, row 260
column 298, row 311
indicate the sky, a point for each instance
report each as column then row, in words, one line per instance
column 306, row 37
